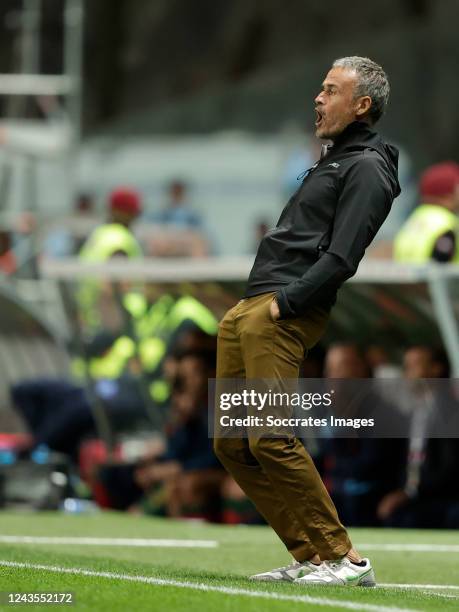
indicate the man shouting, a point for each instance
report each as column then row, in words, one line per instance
column 317, row 244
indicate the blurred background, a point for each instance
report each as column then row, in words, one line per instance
column 145, row 149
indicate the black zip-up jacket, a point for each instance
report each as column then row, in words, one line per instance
column 323, row 231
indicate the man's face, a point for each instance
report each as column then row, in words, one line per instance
column 418, row 363
column 177, row 193
column 344, row 362
column 336, row 105
column 194, row 375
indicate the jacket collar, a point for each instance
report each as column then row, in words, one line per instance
column 355, row 132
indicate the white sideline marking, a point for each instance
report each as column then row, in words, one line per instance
column 445, row 595
column 426, row 589
column 395, row 585
column 15, row 539
column 409, row 547
column 319, row 601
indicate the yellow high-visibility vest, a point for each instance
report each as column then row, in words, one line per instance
column 102, row 244
column 416, row 240
column 108, row 239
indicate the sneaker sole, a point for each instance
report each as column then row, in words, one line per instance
column 270, row 579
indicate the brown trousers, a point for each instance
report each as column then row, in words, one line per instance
column 277, row 474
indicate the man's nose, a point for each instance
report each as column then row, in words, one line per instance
column 319, row 99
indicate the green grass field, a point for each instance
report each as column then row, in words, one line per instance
column 104, row 576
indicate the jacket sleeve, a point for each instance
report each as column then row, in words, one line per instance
column 366, row 197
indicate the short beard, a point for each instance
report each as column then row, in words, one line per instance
column 325, row 136
column 332, row 135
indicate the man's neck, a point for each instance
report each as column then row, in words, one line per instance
column 350, row 127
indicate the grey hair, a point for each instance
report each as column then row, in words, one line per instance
column 371, row 81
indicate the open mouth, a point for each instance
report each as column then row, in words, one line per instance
column 319, row 118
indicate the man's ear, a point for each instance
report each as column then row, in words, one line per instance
column 363, row 106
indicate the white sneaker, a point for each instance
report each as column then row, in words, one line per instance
column 341, row 572
column 289, row 572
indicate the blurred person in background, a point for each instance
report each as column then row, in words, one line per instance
column 163, row 323
column 185, row 479
column 314, row 363
column 189, row 470
column 380, row 363
column 22, row 244
column 385, row 373
column 432, row 230
column 237, row 509
column 115, row 237
column 427, row 494
column 111, row 239
column 183, row 232
column 68, row 236
column 58, row 411
column 358, row 472
column 178, row 212
column 83, row 219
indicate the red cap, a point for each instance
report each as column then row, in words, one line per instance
column 439, row 180
column 125, row 200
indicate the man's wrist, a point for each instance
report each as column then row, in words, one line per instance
column 285, row 311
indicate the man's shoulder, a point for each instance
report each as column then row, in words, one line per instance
column 365, row 157
column 372, row 169
column 361, row 164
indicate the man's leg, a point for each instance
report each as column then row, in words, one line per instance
column 275, row 350
column 235, row 455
